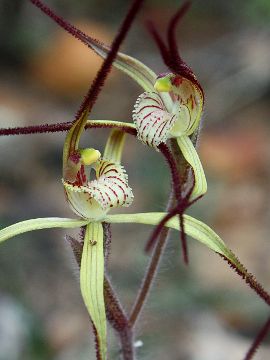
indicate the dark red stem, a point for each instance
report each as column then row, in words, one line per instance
column 258, row 340
column 102, row 74
column 177, row 186
column 159, row 41
column 171, row 30
column 51, row 128
column 250, row 280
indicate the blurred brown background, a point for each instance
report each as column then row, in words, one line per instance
column 202, row 312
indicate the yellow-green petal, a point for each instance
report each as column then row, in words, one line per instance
column 190, row 154
column 72, row 139
column 38, row 224
column 92, row 279
column 114, row 146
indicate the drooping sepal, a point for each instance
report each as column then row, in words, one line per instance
column 92, row 282
column 193, row 227
column 152, row 120
column 109, row 190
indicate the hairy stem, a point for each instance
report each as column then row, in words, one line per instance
column 127, row 342
column 249, row 279
column 177, row 186
column 65, row 126
column 258, row 340
column 119, row 321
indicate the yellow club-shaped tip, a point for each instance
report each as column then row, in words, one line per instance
column 89, row 156
column 163, row 84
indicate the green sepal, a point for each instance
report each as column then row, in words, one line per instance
column 193, row 227
column 190, row 154
column 38, row 224
column 92, row 280
column 139, row 72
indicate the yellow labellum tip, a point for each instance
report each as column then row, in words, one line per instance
column 163, row 84
column 89, row 156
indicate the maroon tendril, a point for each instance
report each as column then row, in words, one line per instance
column 258, row 340
column 103, row 72
column 170, row 54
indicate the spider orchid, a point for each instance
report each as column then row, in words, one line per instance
column 170, row 107
column 75, row 159
column 91, row 200
column 94, row 184
column 173, row 109
column 173, row 102
column 157, row 120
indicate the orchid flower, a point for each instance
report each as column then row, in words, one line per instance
column 91, row 199
column 157, row 121
column 183, row 89
column 173, row 102
column 170, row 107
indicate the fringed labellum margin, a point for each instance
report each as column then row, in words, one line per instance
column 157, row 122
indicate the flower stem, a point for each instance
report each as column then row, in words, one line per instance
column 258, row 340
column 65, row 126
column 127, row 341
column 249, row 279
column 119, row 321
column 177, row 186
